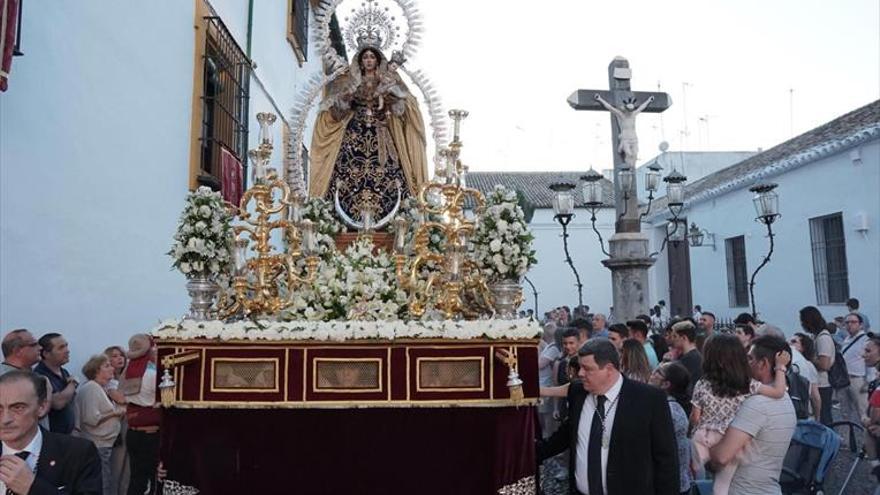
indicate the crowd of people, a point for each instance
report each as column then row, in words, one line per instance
column 734, row 396
column 96, row 437
column 682, row 400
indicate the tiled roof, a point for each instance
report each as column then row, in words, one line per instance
column 855, row 127
column 535, row 185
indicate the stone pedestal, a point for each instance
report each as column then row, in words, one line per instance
column 629, row 263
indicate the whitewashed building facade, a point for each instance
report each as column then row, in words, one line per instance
column 552, row 277
column 827, row 241
column 114, row 112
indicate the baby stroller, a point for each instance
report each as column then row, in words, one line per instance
column 813, row 447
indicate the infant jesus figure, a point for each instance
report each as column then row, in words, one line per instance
column 390, row 83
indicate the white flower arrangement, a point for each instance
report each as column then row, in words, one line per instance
column 410, row 212
column 502, row 242
column 203, row 242
column 340, row 331
column 355, row 285
column 319, row 211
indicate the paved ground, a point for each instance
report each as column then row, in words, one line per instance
column 862, row 483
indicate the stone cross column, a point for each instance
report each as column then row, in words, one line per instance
column 629, row 260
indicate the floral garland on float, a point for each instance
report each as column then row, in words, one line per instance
column 339, row 331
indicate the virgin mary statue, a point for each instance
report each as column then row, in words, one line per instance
column 369, row 138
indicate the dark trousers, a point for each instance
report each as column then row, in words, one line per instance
column 143, row 456
column 826, row 393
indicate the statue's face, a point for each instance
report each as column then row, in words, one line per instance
column 369, row 60
column 630, row 106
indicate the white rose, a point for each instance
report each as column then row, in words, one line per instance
column 495, row 245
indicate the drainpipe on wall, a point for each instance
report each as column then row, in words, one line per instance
column 247, row 101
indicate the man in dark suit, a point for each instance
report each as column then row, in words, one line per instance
column 35, row 461
column 619, row 432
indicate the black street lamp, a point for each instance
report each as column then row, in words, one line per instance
column 697, row 236
column 652, row 181
column 675, row 192
column 563, row 207
column 675, row 203
column 767, row 208
column 593, row 201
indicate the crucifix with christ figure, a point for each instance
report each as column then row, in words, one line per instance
column 625, row 105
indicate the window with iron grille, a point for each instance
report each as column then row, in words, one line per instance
column 226, row 80
column 298, row 28
column 737, row 276
column 829, row 259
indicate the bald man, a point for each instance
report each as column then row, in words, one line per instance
column 21, row 351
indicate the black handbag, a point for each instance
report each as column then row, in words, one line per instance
column 838, row 375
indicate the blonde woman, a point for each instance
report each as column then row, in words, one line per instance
column 97, row 417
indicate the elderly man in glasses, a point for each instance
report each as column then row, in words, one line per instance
column 854, row 399
column 20, row 351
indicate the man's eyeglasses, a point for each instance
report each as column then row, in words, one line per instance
column 853, row 322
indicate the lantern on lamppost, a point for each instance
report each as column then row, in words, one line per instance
column 697, row 236
column 593, row 201
column 766, row 203
column 563, row 202
column 675, row 192
column 626, row 178
column 563, row 207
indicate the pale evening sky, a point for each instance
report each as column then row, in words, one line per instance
column 728, row 65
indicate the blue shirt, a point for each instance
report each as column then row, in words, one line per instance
column 60, row 420
column 652, row 354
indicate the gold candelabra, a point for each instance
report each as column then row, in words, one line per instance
column 454, row 285
column 259, row 283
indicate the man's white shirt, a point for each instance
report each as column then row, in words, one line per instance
column 34, row 447
column 583, row 436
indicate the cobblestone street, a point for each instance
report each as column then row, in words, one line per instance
column 862, row 483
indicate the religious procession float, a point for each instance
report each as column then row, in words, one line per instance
column 359, row 335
